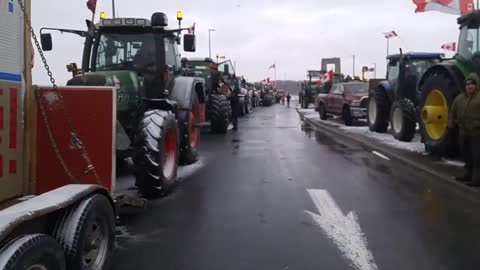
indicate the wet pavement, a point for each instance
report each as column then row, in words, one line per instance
column 243, row 207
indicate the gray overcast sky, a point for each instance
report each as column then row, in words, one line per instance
column 294, row 34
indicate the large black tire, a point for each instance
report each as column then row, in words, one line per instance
column 32, row 250
column 87, row 234
column 188, row 124
column 446, row 145
column 247, row 111
column 378, row 110
column 267, row 100
column 218, row 113
column 403, row 120
column 347, row 116
column 322, row 111
column 241, row 108
column 155, row 170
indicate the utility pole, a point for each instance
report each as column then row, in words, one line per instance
column 210, row 43
column 353, row 66
column 375, row 69
column 113, row 8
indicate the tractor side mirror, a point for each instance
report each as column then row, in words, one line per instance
column 46, row 40
column 189, row 43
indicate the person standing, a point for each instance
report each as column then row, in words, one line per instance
column 235, row 104
column 465, row 114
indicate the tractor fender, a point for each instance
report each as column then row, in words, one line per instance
column 183, row 91
column 386, row 86
column 450, row 69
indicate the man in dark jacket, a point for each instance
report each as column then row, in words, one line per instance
column 235, row 103
column 465, row 114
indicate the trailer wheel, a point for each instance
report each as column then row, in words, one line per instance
column 156, row 153
column 378, row 111
column 402, row 119
column 32, row 252
column 87, row 234
column 188, row 122
column 219, row 113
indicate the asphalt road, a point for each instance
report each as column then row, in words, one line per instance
column 243, row 207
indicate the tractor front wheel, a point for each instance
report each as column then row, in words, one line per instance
column 402, row 119
column 188, row 122
column 437, row 95
column 378, row 110
column 156, row 153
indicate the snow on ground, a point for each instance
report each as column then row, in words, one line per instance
column 386, row 138
column 455, row 163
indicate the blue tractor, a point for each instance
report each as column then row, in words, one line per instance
column 395, row 100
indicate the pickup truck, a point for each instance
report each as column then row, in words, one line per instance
column 348, row 100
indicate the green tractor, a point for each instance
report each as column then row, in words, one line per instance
column 218, row 106
column 158, row 110
column 441, row 83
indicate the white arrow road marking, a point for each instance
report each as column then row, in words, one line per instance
column 343, row 230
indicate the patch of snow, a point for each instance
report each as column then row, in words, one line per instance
column 386, row 138
column 187, row 171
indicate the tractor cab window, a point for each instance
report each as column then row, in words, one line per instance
column 125, row 52
column 469, row 42
column 393, row 70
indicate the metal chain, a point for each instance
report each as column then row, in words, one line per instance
column 76, row 140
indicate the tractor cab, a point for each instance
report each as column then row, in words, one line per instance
column 469, row 41
column 405, row 70
column 130, row 51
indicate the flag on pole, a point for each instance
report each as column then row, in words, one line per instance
column 391, row 34
column 455, row 7
column 191, row 29
column 272, row 66
column 92, row 5
column 450, row 46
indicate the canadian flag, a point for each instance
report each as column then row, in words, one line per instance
column 326, row 77
column 456, row 7
column 450, row 46
column 391, row 34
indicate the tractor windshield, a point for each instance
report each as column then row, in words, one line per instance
column 200, row 68
column 469, row 42
column 126, row 51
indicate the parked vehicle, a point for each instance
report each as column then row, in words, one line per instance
column 346, row 99
column 395, row 99
column 159, row 114
column 217, row 109
column 441, row 83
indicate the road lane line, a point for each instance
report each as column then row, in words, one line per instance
column 380, row 155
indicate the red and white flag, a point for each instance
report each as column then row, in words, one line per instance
column 272, row 66
column 191, row 29
column 450, row 46
column 92, row 5
column 455, row 7
column 391, row 34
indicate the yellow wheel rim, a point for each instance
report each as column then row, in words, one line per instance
column 435, row 115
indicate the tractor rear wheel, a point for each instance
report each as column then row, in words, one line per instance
column 188, row 123
column 378, row 111
column 156, row 153
column 403, row 120
column 219, row 113
column 437, row 95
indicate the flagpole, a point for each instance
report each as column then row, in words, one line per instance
column 275, row 71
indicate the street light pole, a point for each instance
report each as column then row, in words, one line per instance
column 113, row 8
column 375, row 69
column 353, row 66
column 210, row 43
